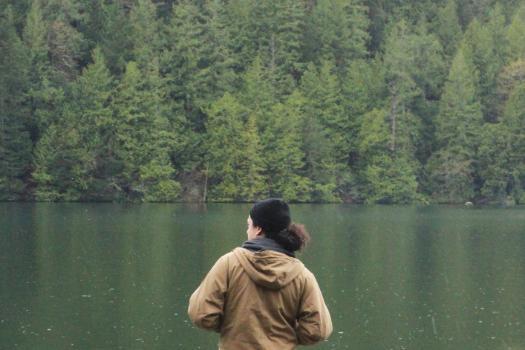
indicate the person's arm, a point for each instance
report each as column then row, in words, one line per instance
column 313, row 322
column 207, row 302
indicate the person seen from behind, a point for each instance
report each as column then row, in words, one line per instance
column 259, row 296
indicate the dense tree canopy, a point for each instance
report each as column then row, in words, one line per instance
column 234, row 100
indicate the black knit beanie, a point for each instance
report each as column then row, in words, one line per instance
column 272, row 215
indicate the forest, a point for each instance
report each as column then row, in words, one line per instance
column 355, row 101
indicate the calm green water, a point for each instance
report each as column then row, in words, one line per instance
column 105, row 276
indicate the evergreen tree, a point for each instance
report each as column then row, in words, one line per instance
column 400, row 61
column 46, row 93
column 325, row 131
column 195, row 75
column 257, row 93
column 191, row 65
column 494, row 162
column 338, row 31
column 146, row 33
column 76, row 168
column 514, row 121
column 277, row 29
column 516, row 34
column 470, row 10
column 142, row 141
column 233, row 156
column 283, row 149
column 509, row 78
column 485, row 43
column 458, row 125
column 386, row 176
column 448, row 28
column 363, row 89
column 15, row 144
column 242, row 43
column 35, row 32
column 115, row 42
column 66, row 45
column 59, row 162
column 252, row 183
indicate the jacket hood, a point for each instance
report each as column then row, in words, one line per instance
column 269, row 268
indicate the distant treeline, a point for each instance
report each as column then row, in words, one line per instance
column 394, row 101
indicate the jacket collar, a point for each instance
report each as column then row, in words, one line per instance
column 264, row 243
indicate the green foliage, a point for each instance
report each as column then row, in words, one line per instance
column 145, row 28
column 494, row 162
column 516, row 34
column 73, row 149
column 325, row 131
column 457, row 134
column 114, row 39
column 257, row 92
column 225, row 125
column 452, row 175
column 282, row 151
column 156, row 178
column 413, row 75
column 196, row 73
column 327, row 100
column 514, row 121
column 234, row 162
column 486, row 45
column 141, row 140
column 15, row 144
column 448, row 28
column 58, row 158
column 385, row 177
column 337, row 31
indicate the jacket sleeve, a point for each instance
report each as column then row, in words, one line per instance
column 206, row 305
column 313, row 323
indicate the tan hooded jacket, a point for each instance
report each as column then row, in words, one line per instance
column 260, row 301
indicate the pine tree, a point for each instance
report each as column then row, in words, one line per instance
column 448, row 28
column 234, row 161
column 363, row 89
column 400, row 61
column 494, row 162
column 191, row 65
column 338, row 31
column 514, row 121
column 457, row 128
column 76, row 168
column 142, row 141
column 66, row 45
column 146, row 30
column 277, row 29
column 257, row 93
column 325, row 131
column 385, row 177
column 15, row 144
column 59, row 161
column 224, row 148
column 35, row 32
column 286, row 43
column 115, row 42
column 483, row 43
column 46, row 94
column 516, row 34
column 195, row 75
column 283, row 149
column 251, row 166
column 470, row 11
column 242, row 43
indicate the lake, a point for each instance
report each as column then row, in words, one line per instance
column 112, row 276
